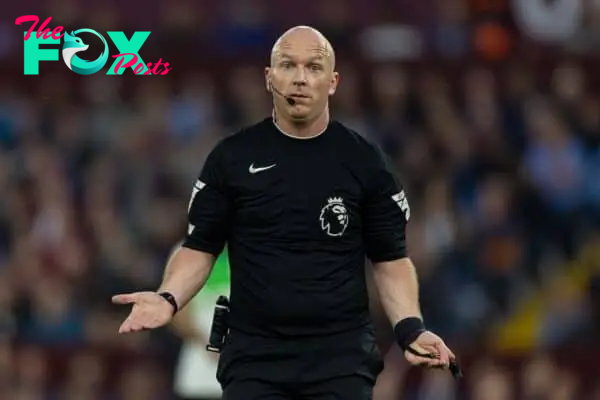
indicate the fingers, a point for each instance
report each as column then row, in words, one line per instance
column 144, row 318
column 443, row 352
column 433, row 355
column 428, row 362
column 421, row 356
column 124, row 298
column 130, row 325
column 447, row 351
column 450, row 353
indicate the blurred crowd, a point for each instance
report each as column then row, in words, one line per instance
column 500, row 159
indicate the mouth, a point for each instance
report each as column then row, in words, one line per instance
column 299, row 98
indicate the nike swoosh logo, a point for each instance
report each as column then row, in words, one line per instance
column 254, row 170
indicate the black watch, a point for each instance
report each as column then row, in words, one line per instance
column 171, row 299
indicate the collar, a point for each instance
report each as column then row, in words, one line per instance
column 294, row 136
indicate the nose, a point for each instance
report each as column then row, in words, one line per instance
column 300, row 77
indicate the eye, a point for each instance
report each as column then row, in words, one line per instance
column 286, row 64
column 315, row 67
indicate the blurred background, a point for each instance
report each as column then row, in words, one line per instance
column 489, row 108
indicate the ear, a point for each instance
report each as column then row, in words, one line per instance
column 268, row 78
column 335, row 80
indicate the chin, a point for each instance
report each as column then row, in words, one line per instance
column 299, row 115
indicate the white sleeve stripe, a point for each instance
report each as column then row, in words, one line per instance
column 402, row 202
column 198, row 186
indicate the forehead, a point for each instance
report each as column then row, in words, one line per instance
column 301, row 45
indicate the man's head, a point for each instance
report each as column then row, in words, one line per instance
column 303, row 68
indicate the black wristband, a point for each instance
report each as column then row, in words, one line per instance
column 171, row 299
column 408, row 330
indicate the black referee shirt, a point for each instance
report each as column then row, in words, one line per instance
column 298, row 216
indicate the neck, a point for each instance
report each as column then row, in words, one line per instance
column 302, row 129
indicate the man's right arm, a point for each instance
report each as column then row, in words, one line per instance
column 209, row 211
column 186, row 273
column 189, row 267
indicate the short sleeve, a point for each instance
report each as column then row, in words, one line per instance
column 209, row 207
column 385, row 212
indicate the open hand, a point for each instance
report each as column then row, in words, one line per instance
column 149, row 311
column 429, row 343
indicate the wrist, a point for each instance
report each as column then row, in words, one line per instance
column 407, row 330
column 168, row 296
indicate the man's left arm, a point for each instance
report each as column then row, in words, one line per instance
column 398, row 288
column 386, row 214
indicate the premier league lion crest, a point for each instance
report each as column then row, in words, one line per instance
column 334, row 217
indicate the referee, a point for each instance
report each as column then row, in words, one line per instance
column 301, row 201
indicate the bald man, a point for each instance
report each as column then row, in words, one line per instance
column 301, row 201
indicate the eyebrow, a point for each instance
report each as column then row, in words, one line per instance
column 314, row 58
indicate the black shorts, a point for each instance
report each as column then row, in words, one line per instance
column 353, row 387
column 252, row 367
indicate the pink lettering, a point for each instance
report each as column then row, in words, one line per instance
column 56, row 32
column 48, row 34
column 130, row 63
column 42, row 31
column 155, row 70
column 138, row 68
column 148, row 71
column 28, row 18
column 167, row 69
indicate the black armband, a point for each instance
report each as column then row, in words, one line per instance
column 171, row 299
column 407, row 331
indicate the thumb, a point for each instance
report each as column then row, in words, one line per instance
column 124, row 298
column 423, row 349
